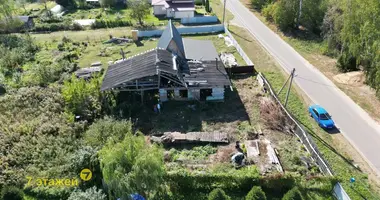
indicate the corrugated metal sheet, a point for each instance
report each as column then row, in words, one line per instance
column 136, row 67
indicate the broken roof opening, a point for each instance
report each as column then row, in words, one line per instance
column 171, row 40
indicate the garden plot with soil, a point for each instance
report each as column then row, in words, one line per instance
column 249, row 116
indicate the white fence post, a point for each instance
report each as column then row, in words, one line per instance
column 238, row 48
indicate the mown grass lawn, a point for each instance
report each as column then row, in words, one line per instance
column 111, row 52
column 113, row 14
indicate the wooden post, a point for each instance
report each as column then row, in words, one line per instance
column 142, row 96
column 159, row 79
column 290, row 86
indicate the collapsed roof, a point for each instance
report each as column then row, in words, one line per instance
column 200, row 68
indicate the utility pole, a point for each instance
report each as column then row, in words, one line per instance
column 278, row 93
column 290, row 86
column 224, row 11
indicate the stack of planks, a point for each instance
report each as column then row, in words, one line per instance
column 252, row 147
column 191, row 137
column 272, row 155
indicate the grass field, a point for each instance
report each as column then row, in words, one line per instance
column 111, row 52
column 112, row 14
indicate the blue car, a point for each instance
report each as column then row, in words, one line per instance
column 321, row 116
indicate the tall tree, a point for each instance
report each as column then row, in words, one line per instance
column 139, row 9
column 286, row 14
column 218, row 194
column 106, row 3
column 45, row 3
column 256, row 193
column 6, row 10
column 132, row 166
column 22, row 4
column 207, row 6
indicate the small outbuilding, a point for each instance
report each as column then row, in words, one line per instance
column 27, row 21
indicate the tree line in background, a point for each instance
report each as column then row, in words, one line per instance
column 45, row 20
column 350, row 29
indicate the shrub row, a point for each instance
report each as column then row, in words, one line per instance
column 101, row 23
column 56, row 27
column 238, row 180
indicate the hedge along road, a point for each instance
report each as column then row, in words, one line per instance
column 353, row 122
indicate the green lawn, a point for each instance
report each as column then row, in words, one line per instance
column 111, row 52
column 112, row 14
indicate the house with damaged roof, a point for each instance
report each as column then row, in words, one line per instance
column 178, row 68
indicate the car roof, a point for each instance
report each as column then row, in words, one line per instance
column 319, row 109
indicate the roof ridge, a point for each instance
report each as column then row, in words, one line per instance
column 147, row 51
column 171, row 28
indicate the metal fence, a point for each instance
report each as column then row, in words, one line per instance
column 308, row 142
column 238, row 48
column 185, row 30
column 199, row 20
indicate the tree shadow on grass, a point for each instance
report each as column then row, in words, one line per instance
column 248, row 40
column 139, row 43
column 304, row 35
column 315, row 136
column 360, row 194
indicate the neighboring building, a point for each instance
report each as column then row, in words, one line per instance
column 179, row 69
column 27, row 22
column 174, row 8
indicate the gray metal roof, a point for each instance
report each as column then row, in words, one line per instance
column 207, row 74
column 136, row 67
column 199, row 49
column 23, row 18
column 169, row 34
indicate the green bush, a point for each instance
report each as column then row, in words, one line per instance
column 198, row 2
column 269, row 11
column 196, row 153
column 286, row 13
column 346, row 62
column 218, row 194
column 132, row 166
column 83, row 98
column 36, row 127
column 77, row 27
column 41, row 27
column 107, row 129
column 104, row 23
column 293, row 194
column 256, row 193
column 57, row 26
column 238, row 180
column 90, row 194
column 258, row 4
column 15, row 51
column 279, row 183
column 11, row 193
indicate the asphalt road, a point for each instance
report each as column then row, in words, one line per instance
column 353, row 122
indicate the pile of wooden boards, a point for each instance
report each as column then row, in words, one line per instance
column 191, row 137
